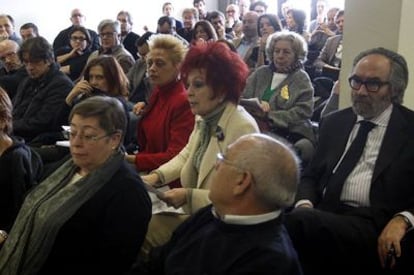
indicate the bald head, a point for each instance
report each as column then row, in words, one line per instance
column 250, row 24
column 76, row 17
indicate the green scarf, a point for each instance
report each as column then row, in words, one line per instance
column 46, row 208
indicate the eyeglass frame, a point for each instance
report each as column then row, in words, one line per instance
column 78, row 38
column 68, row 134
column 366, row 83
column 107, row 34
column 220, row 158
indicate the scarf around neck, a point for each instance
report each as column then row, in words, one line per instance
column 45, row 210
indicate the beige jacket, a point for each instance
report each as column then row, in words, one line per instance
column 235, row 122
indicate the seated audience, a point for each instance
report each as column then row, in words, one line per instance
column 41, row 95
column 329, row 61
column 91, row 214
column 168, row 10
column 167, row 120
column 200, row 5
column 109, row 33
column 242, row 232
column 29, row 30
column 63, row 38
column 285, row 93
column 204, row 32
column 232, row 17
column 295, row 20
column 165, row 25
column 260, row 7
column 7, row 29
column 190, row 17
column 128, row 37
column 218, row 21
column 267, row 24
column 359, row 182
column 20, row 168
column 321, row 6
column 249, row 40
column 219, row 122
column 13, row 70
column 73, row 58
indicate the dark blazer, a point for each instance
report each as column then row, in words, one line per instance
column 328, row 52
column 392, row 187
column 129, row 44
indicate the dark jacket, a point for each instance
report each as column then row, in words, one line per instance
column 129, row 44
column 37, row 102
column 11, row 81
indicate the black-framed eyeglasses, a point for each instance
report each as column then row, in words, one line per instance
column 69, row 134
column 372, row 85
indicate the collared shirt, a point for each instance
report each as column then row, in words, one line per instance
column 355, row 191
column 247, row 219
column 244, row 47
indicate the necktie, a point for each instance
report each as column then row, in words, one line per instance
column 333, row 190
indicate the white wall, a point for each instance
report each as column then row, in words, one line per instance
column 51, row 16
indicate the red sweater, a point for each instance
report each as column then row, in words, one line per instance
column 165, row 127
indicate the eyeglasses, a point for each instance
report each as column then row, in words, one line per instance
column 106, row 34
column 69, row 134
column 230, row 11
column 220, row 158
column 78, row 38
column 7, row 55
column 371, row 85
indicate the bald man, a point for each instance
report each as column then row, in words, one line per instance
column 242, row 231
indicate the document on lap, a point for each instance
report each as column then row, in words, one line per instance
column 159, row 206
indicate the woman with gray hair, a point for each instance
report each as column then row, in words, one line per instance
column 284, row 92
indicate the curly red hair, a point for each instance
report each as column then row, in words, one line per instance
column 226, row 72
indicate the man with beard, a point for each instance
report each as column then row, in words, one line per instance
column 347, row 197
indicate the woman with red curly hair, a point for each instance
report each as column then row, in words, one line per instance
column 215, row 77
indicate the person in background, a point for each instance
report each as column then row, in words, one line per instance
column 260, row 7
column 242, row 232
column 321, row 6
column 7, row 29
column 219, row 122
column 232, row 17
column 29, row 30
column 165, row 25
column 13, row 71
column 248, row 42
column 200, row 5
column 295, row 21
column 267, row 24
column 20, row 168
column 168, row 10
column 128, row 37
column 190, row 17
column 73, row 58
column 285, row 92
column 109, row 33
column 204, row 32
column 167, row 120
column 217, row 19
column 93, row 209
column 355, row 201
column 41, row 95
column 63, row 39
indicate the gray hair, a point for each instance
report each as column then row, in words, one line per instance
column 299, row 45
column 399, row 71
column 115, row 25
column 274, row 167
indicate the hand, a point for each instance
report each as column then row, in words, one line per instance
column 130, row 158
column 3, row 236
column 263, row 40
column 336, row 88
column 175, row 197
column 390, row 236
column 82, row 87
column 138, row 107
column 265, row 106
column 152, row 179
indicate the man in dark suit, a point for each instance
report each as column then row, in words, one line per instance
column 339, row 215
column 128, row 37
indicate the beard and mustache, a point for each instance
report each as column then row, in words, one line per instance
column 370, row 106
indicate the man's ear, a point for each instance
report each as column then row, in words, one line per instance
column 244, row 183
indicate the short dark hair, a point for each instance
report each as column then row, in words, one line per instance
column 166, row 19
column 143, row 39
column 108, row 110
column 218, row 60
column 208, row 28
column 30, row 25
column 257, row 3
column 38, row 49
